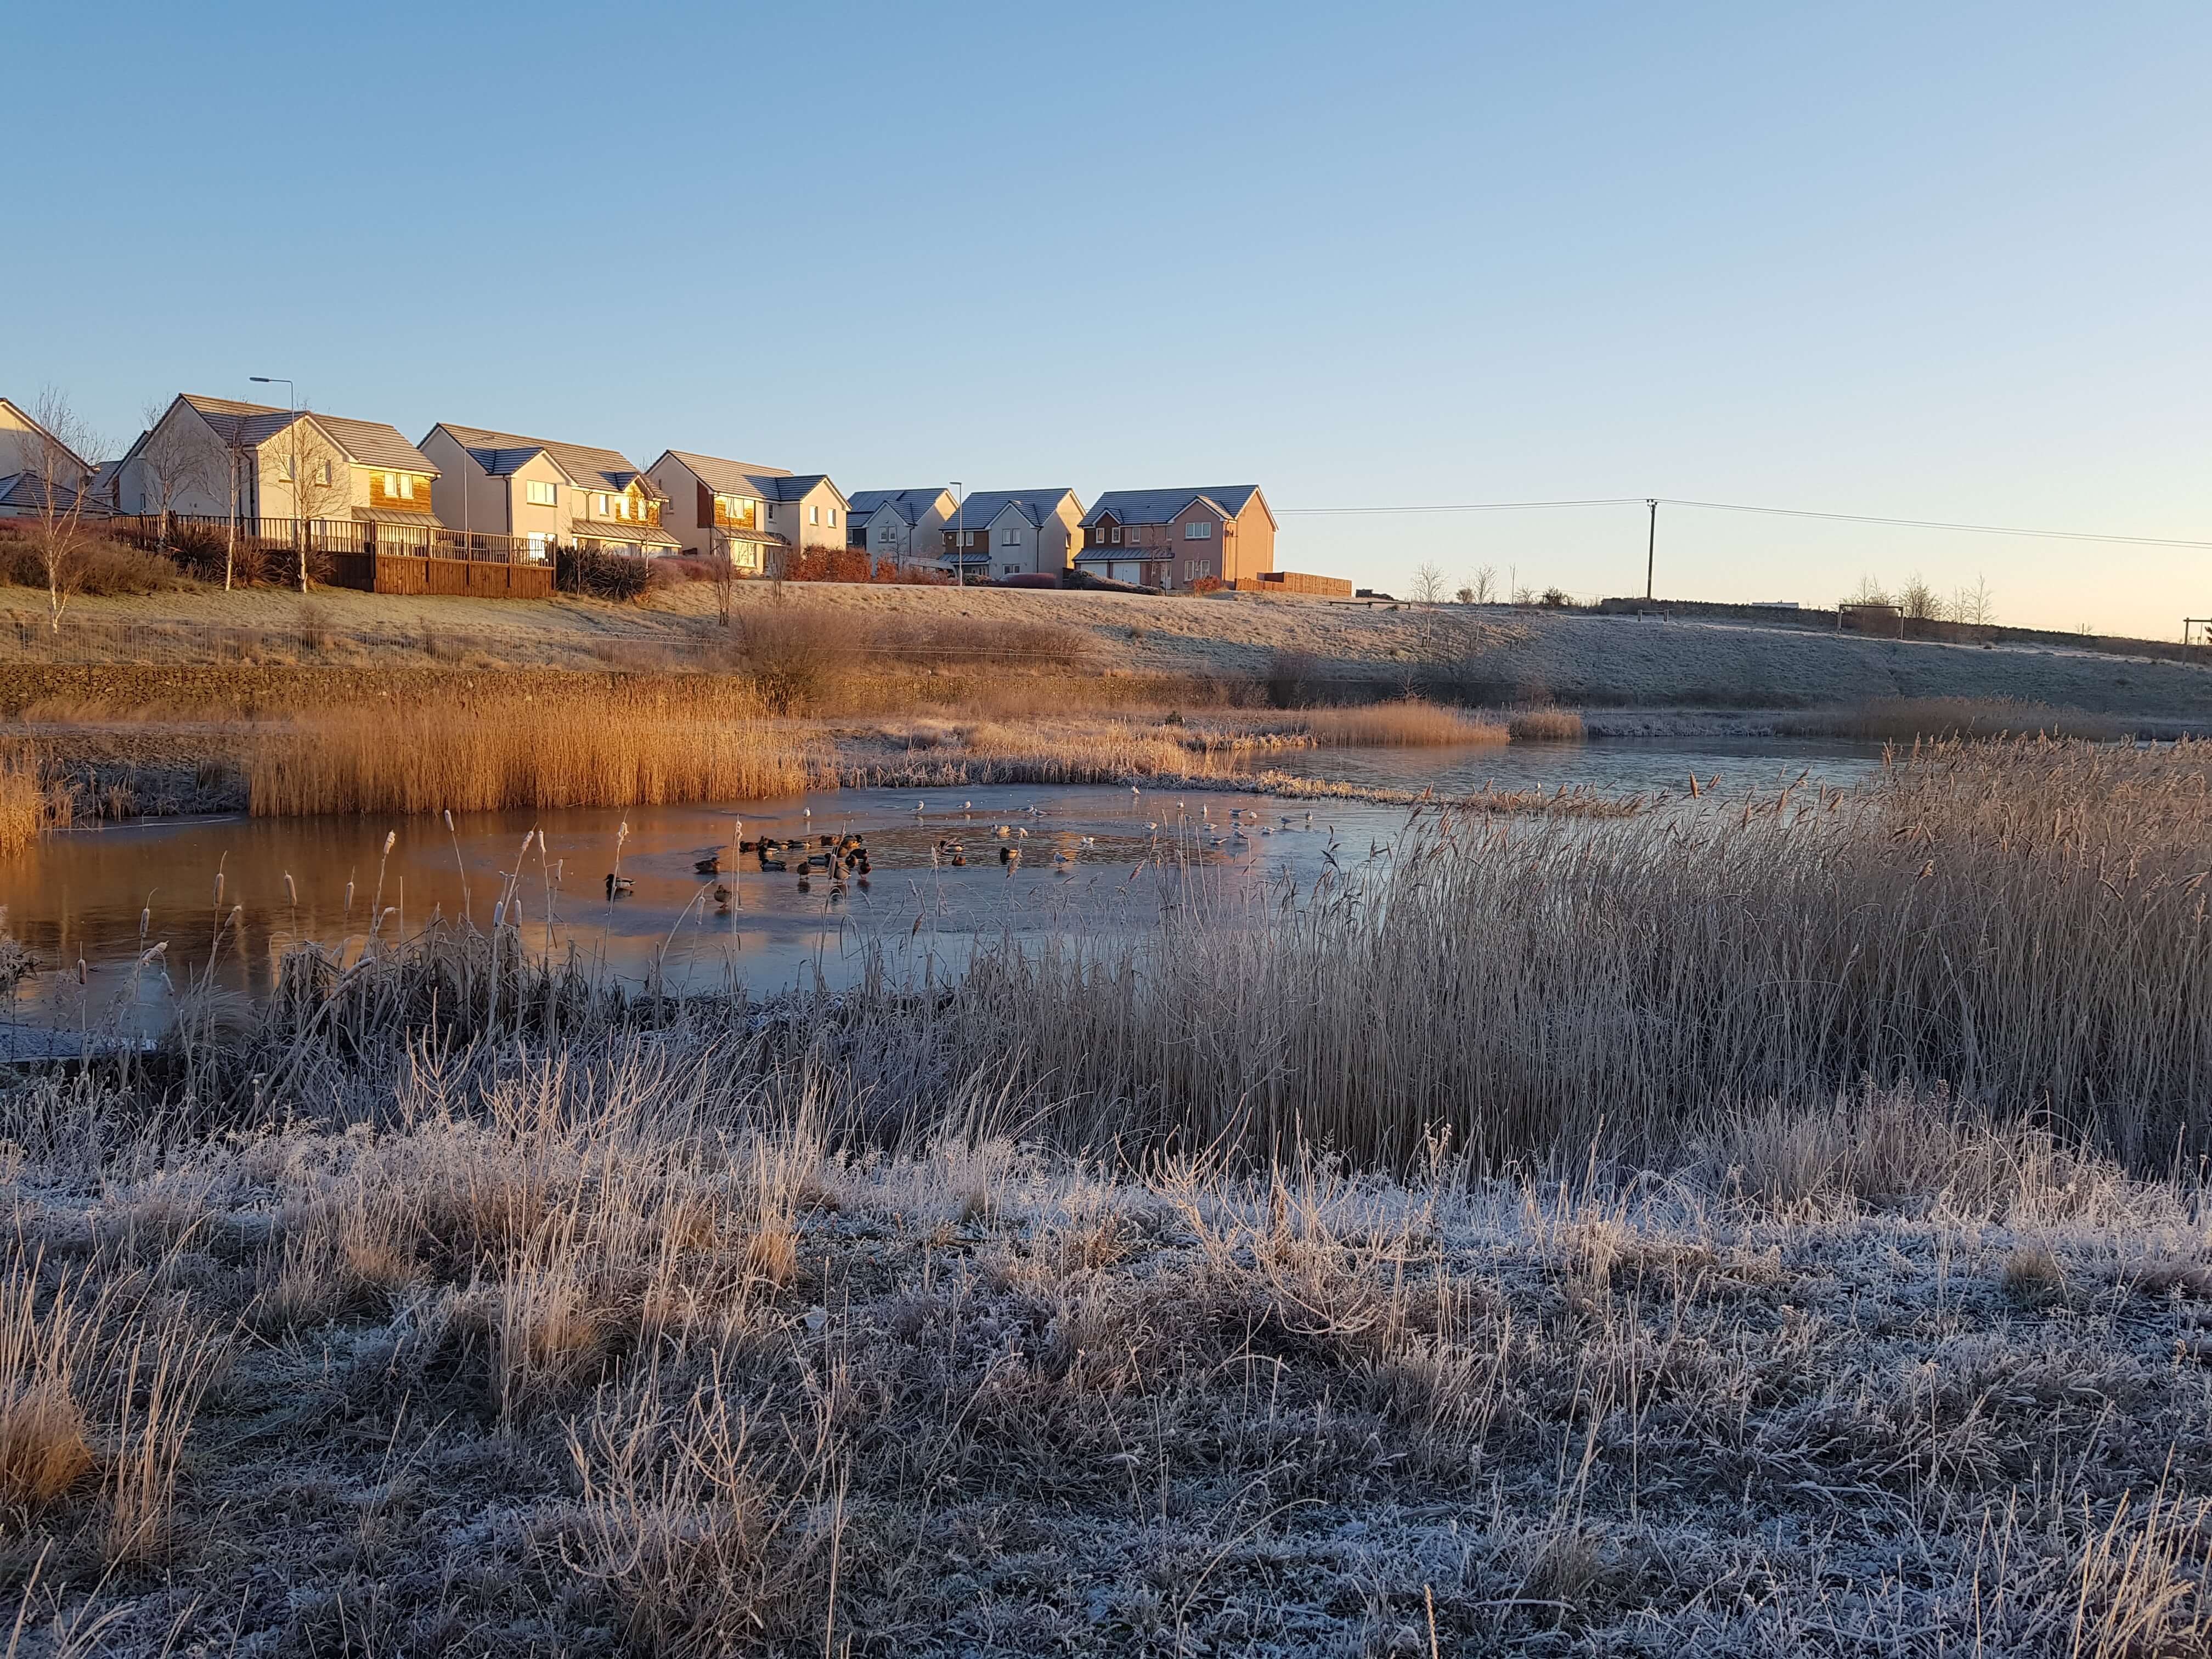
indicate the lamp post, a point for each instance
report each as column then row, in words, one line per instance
column 959, row 524
column 299, row 524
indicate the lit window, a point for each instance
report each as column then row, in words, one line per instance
column 814, row 515
column 540, row 495
column 599, row 504
column 536, row 544
column 833, row 518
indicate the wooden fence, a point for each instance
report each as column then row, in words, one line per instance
column 379, row 572
column 336, row 537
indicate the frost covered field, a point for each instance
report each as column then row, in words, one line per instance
column 1770, row 1232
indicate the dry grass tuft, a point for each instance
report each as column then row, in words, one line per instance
column 1546, row 726
column 22, row 800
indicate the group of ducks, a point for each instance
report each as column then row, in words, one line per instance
column 842, row 858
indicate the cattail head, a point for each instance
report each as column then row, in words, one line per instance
column 391, row 836
column 449, row 818
column 291, row 893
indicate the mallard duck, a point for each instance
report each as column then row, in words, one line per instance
column 709, row 865
column 619, row 885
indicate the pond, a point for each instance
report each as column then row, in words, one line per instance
column 238, row 892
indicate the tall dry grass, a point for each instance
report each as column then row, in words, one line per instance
column 1406, row 723
column 22, row 800
column 1546, row 725
column 2025, row 925
column 578, row 752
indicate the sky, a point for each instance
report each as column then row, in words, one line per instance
column 1948, row 262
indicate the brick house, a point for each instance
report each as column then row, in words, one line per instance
column 1172, row 539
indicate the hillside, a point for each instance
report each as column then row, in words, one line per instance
column 1492, row 654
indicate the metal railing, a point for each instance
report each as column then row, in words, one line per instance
column 335, row 536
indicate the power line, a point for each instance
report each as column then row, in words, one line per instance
column 1470, row 507
column 1740, row 507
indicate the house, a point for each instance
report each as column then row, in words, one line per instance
column 1172, row 539
column 805, row 508
column 40, row 473
column 900, row 524
column 546, row 493
column 1012, row 533
column 746, row 509
column 716, row 507
column 217, row 457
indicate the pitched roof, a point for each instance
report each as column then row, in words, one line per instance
column 25, row 492
column 365, row 443
column 788, row 486
column 985, row 505
column 502, row 453
column 31, row 423
column 728, row 477
column 911, row 505
column 1159, row 506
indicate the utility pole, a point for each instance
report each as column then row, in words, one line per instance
column 1651, row 543
column 959, row 524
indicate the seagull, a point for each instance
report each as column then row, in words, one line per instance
column 920, row 806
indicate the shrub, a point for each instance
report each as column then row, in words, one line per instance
column 105, row 568
column 1289, row 679
column 601, row 575
column 790, row 650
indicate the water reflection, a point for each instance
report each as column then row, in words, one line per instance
column 241, row 892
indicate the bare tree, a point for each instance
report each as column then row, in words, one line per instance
column 321, row 481
column 174, row 466
column 1920, row 601
column 1976, row 604
column 722, row 572
column 1429, row 585
column 1869, row 592
column 61, row 483
column 1481, row 587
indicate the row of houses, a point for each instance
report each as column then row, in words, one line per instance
column 472, row 492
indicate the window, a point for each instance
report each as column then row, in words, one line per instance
column 814, row 515
column 284, row 468
column 1201, row 530
column 599, row 504
column 540, row 495
column 1010, row 537
column 322, row 472
column 1117, row 534
column 536, row 540
column 833, row 518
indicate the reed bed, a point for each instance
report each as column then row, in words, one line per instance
column 1905, row 720
column 1546, row 726
column 524, row 755
column 2023, row 925
column 1406, row 723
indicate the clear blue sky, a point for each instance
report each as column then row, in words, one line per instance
column 1949, row 262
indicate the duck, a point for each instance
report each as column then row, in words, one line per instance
column 1003, row 831
column 805, row 885
column 709, row 865
column 721, row 897
column 1006, row 855
column 617, row 886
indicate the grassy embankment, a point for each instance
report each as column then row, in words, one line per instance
column 1777, row 1234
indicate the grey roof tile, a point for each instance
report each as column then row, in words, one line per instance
column 501, row 453
column 1160, row 505
column 1035, row 505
